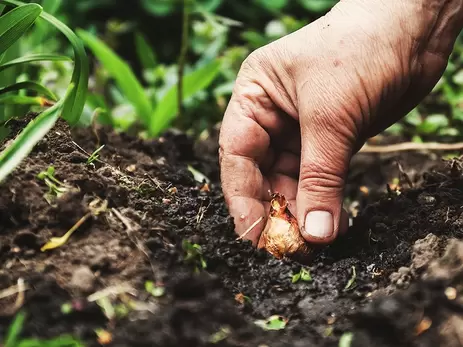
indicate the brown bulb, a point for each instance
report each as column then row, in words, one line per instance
column 281, row 236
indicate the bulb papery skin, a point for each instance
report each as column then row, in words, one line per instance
column 281, row 236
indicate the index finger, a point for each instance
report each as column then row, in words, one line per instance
column 243, row 145
column 244, row 141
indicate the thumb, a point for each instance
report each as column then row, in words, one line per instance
column 328, row 141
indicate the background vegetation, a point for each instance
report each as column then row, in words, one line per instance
column 137, row 50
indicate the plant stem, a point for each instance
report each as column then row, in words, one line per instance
column 183, row 53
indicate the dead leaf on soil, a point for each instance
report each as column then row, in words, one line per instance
column 423, row 326
column 95, row 210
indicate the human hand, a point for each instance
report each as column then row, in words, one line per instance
column 303, row 105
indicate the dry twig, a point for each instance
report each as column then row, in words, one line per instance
column 14, row 289
column 250, row 228
column 129, row 230
column 412, row 146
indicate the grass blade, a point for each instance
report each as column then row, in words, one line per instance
column 122, row 73
column 192, row 83
column 74, row 105
column 21, row 100
column 145, row 53
column 29, row 136
column 15, row 23
column 32, row 58
column 30, row 85
column 15, row 329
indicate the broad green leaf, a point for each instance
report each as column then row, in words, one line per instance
column 193, row 82
column 145, row 53
column 432, row 123
column 12, row 156
column 15, row 23
column 33, row 58
column 208, row 5
column 122, row 74
column 31, row 86
column 272, row 5
column 395, row 129
column 159, row 7
column 413, row 117
column 318, row 6
column 449, row 132
column 74, row 104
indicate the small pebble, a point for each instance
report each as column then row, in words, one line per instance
column 425, row 199
column 83, row 279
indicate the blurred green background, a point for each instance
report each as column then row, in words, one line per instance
column 133, row 76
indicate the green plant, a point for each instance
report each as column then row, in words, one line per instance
column 274, row 322
column 56, row 188
column 13, row 337
column 154, row 290
column 352, row 281
column 14, row 25
column 346, row 339
column 154, row 112
column 94, row 156
column 302, row 275
column 194, row 255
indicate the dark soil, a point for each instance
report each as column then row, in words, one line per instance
column 397, row 296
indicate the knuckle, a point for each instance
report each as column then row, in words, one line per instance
column 342, row 125
column 255, row 61
column 320, row 179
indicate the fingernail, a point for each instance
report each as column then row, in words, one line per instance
column 319, row 224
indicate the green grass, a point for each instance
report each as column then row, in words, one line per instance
column 14, row 339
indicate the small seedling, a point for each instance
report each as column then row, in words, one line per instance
column 66, row 308
column 121, row 310
column 346, row 339
column 156, row 291
column 96, row 208
column 194, row 254
column 274, row 322
column 94, row 156
column 198, row 176
column 351, row 284
column 303, row 275
column 56, row 188
column 107, row 307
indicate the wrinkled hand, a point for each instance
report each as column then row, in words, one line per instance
column 303, row 105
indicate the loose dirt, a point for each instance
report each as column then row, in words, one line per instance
column 384, row 284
